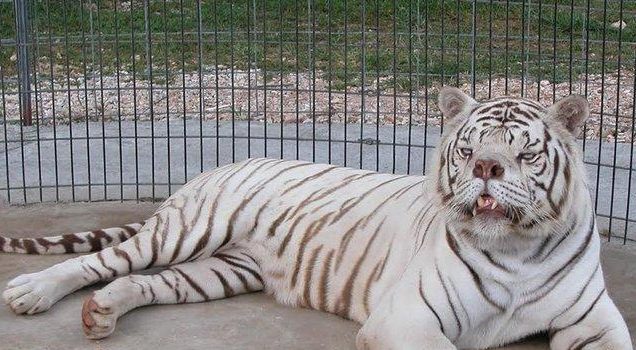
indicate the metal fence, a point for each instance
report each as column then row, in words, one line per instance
column 127, row 100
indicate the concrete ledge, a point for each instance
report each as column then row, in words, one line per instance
column 246, row 322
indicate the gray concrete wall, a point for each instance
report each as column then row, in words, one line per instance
column 128, row 166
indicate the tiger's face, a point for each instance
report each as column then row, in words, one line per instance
column 507, row 166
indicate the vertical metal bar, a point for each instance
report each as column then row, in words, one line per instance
column 426, row 87
column 523, row 47
column 118, row 80
column 53, row 110
column 280, row 58
column 37, row 97
column 442, row 61
column 417, row 33
column 93, row 64
column 539, row 57
column 200, row 76
column 24, row 86
column 22, row 165
column 526, row 46
column 146, row 43
column 68, row 96
column 264, row 20
column 313, row 80
column 4, row 129
column 602, row 111
column 100, row 49
column 572, row 45
column 442, row 48
column 297, row 42
column 167, row 77
column 631, row 155
column 490, row 6
column 150, row 92
column 554, row 50
column 22, row 91
column 256, row 70
column 457, row 20
column 329, row 78
column 617, row 113
column 183, row 94
column 363, row 72
column 377, row 82
column 216, row 87
column 232, row 82
column 394, row 85
column 134, row 91
column 309, row 48
column 587, row 63
column 473, row 47
column 410, row 63
column 346, row 86
column 507, row 38
column 87, row 114
column 22, row 42
column 249, row 81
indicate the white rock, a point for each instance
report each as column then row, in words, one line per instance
column 619, row 24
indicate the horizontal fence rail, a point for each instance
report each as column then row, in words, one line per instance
column 127, row 100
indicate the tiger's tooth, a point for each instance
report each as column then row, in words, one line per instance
column 481, row 201
column 474, row 211
column 494, row 205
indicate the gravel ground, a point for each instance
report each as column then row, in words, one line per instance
column 97, row 97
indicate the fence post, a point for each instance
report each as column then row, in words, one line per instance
column 24, row 69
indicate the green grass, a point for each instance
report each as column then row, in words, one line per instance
column 418, row 25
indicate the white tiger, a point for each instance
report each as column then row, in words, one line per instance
column 500, row 242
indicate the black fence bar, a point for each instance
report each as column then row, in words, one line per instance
column 23, row 57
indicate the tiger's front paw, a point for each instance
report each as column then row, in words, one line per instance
column 98, row 317
column 30, row 294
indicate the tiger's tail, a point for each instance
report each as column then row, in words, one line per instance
column 79, row 242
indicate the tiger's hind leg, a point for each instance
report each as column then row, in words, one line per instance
column 185, row 228
column 157, row 244
column 36, row 292
column 230, row 273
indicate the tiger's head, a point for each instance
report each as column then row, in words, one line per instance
column 509, row 166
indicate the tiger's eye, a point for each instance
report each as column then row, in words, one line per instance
column 466, row 152
column 527, row 156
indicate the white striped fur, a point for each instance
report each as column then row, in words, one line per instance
column 406, row 256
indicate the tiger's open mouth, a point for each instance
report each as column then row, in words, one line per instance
column 488, row 206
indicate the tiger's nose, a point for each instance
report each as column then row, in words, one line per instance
column 488, row 169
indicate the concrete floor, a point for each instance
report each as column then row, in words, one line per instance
column 244, row 322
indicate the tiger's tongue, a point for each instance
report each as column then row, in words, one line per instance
column 486, row 202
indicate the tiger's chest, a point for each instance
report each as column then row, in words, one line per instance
column 489, row 309
column 517, row 321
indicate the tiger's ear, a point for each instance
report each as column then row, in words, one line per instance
column 571, row 112
column 452, row 101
